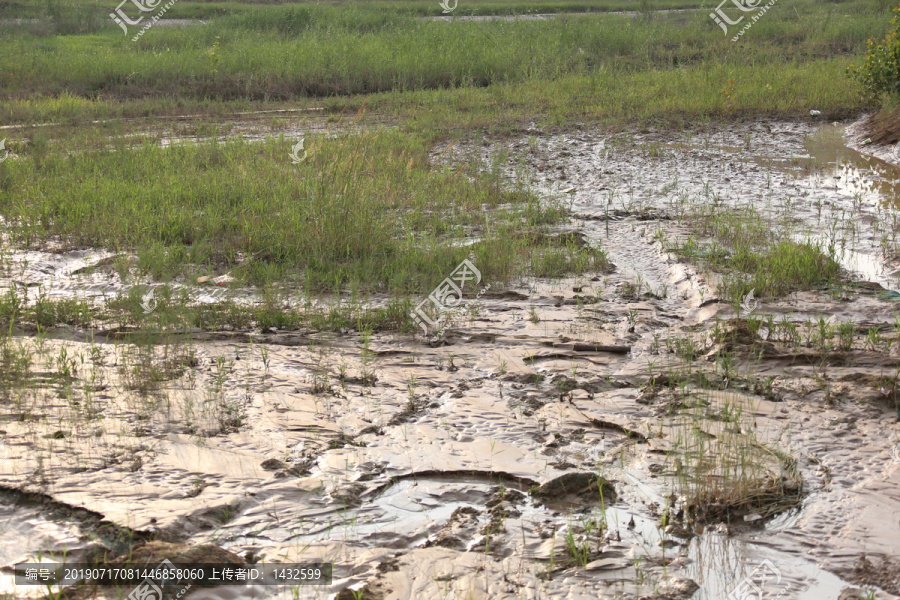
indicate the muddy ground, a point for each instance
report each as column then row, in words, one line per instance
column 548, row 446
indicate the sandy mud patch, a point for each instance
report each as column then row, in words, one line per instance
column 622, row 435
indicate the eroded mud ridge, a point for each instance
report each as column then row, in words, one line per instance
column 623, row 435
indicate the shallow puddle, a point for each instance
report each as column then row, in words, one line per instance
column 851, row 172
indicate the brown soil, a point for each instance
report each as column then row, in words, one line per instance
column 883, row 127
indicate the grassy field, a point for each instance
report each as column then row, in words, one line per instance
column 371, row 212
column 362, row 211
column 292, row 52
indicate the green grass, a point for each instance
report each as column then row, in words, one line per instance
column 435, row 78
column 676, row 97
column 755, row 253
column 280, row 53
column 663, row 97
column 366, row 211
column 781, row 268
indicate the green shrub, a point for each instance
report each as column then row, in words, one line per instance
column 880, row 72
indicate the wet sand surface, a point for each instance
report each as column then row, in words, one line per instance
column 467, row 468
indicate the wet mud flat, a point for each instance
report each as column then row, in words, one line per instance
column 250, row 126
column 624, row 434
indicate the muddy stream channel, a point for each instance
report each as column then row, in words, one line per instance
column 548, row 447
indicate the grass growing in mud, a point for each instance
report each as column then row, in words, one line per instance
column 719, row 467
column 177, row 310
column 721, row 470
column 752, row 256
column 368, row 212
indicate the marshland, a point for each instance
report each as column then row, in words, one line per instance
column 496, row 299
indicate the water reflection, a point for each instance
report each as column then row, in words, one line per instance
column 837, row 166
